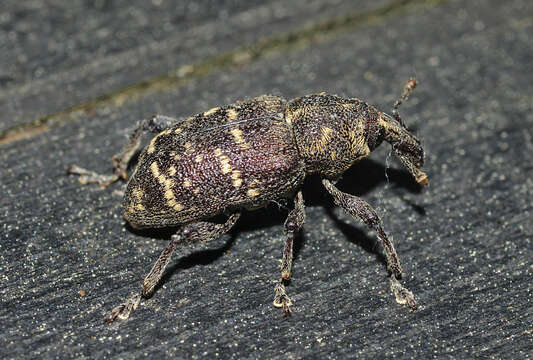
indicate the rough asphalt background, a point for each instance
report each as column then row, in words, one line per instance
column 75, row 76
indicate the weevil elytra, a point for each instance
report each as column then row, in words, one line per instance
column 247, row 154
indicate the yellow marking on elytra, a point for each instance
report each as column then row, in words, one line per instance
column 172, row 170
column 239, row 140
column 235, row 174
column 137, row 193
column 167, row 184
column 236, row 178
column 175, row 155
column 211, row 111
column 196, row 190
column 175, row 205
column 189, row 148
column 151, row 147
column 232, row 114
column 187, row 183
column 253, row 193
column 169, row 194
column 198, row 158
column 178, row 131
column 155, row 169
column 237, row 134
column 333, row 155
column 224, row 162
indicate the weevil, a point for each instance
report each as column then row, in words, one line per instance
column 245, row 155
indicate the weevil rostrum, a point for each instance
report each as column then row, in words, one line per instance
column 245, row 155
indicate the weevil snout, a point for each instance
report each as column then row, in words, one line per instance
column 406, row 147
column 411, row 155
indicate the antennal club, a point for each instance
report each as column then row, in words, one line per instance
column 409, row 87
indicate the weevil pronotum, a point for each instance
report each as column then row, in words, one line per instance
column 245, row 155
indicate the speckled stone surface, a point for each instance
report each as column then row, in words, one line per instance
column 67, row 257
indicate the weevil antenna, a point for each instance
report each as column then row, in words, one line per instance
column 407, row 90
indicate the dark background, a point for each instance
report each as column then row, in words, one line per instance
column 75, row 77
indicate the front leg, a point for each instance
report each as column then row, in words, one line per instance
column 293, row 224
column 357, row 207
column 156, row 124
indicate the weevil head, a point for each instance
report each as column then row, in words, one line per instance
column 404, row 145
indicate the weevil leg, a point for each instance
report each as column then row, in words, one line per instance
column 357, row 207
column 155, row 124
column 202, row 231
column 293, row 224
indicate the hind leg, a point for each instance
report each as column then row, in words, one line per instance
column 196, row 232
column 155, row 124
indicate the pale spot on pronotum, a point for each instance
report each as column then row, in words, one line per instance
column 291, row 115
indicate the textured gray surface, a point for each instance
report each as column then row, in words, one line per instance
column 59, row 55
column 66, row 256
